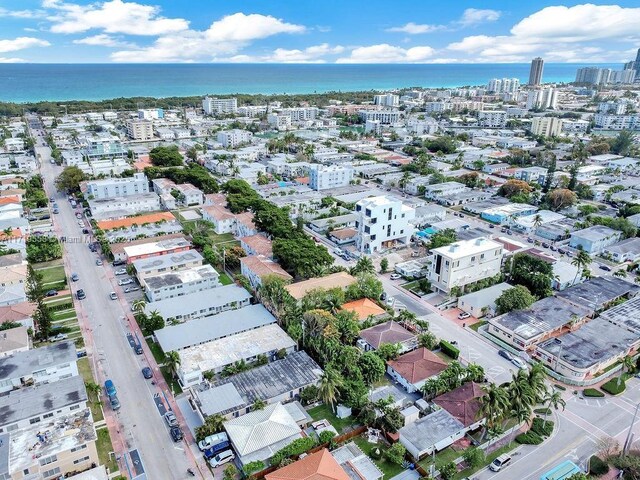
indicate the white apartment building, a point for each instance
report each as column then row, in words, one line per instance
column 616, row 108
column 373, row 126
column 543, row 98
column 140, row 129
column 385, row 117
column 150, row 113
column 574, row 126
column 387, row 100
column 323, row 177
column 218, row 106
column 428, row 126
column 180, row 282
column 504, row 85
column 300, row 114
column 492, row 118
column 464, row 262
column 279, row 121
column 546, row 126
column 252, row 110
column 437, row 107
column 382, row 222
column 432, row 192
column 234, row 138
column 116, row 187
column 617, row 122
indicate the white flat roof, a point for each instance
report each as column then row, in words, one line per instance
column 464, row 248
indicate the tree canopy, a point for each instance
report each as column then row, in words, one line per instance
column 166, row 156
column 69, row 180
column 532, row 272
column 516, row 298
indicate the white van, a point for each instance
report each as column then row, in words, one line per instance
column 221, row 458
column 500, row 462
column 212, row 440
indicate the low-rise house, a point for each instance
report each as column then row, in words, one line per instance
column 278, row 381
column 594, row 239
column 257, row 268
column 414, row 368
column 156, row 248
column 495, row 168
column 344, row 236
column 433, row 192
column 416, row 268
column 149, row 226
column 431, row 433
column 507, row 214
column 124, row 206
column 463, row 403
column 257, row 245
column 564, row 275
column 148, row 267
column 388, row 332
column 625, row 251
column 246, row 346
column 207, row 329
column 315, row 466
column 364, row 309
column 483, row 302
column 599, row 292
column 223, row 220
column 244, row 226
column 13, row 340
column 21, row 313
column 357, row 465
column 335, row 280
column 200, row 303
column 529, row 223
column 177, row 283
column 524, row 329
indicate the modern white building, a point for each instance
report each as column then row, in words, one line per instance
column 546, row 126
column 116, row 187
column 323, row 177
column 234, row 138
column 464, row 262
column 617, row 122
column 180, row 282
column 279, row 121
column 300, row 114
column 218, row 106
column 492, row 118
column 150, row 113
column 385, row 117
column 542, row 99
column 387, row 100
column 118, row 207
column 382, row 222
column 140, row 129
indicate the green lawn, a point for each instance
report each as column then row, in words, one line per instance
column 173, row 384
column 64, row 315
column 84, row 368
column 51, row 301
column 221, row 238
column 157, row 352
column 53, row 274
column 389, row 469
column 479, row 324
column 442, row 457
column 324, row 411
column 104, row 446
column 490, row 458
column 224, row 279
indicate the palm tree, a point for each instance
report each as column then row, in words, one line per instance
column 628, row 364
column 363, row 265
column 328, row 386
column 581, row 261
column 494, row 405
column 138, row 306
column 172, row 361
column 522, row 395
column 620, row 273
column 554, row 400
column 258, row 404
column 432, row 387
column 536, row 379
column 475, row 373
column 537, row 221
column 93, row 389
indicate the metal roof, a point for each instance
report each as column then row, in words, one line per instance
column 25, row 363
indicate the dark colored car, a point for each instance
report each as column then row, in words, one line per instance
column 505, row 354
column 51, row 293
column 81, row 295
column 176, row 434
column 117, row 263
column 138, row 350
column 210, row 452
column 74, row 277
column 606, row 268
column 147, row 373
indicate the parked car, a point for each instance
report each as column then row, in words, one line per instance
column 213, row 451
column 56, row 211
column 74, row 277
column 113, row 296
column 51, row 293
column 109, row 388
column 131, row 289
column 606, row 268
column 545, row 245
column 58, row 337
column 81, row 353
column 125, row 281
column 395, row 276
column 505, row 354
column 222, row 458
column 529, row 240
column 85, row 231
column 147, row 373
column 463, row 315
column 99, row 262
column 138, row 349
column 171, row 419
column 121, row 271
column 500, row 462
column 115, row 403
column 117, row 263
column 561, row 251
column 212, row 440
column 492, row 226
column 80, row 295
column 519, row 363
column 176, row 434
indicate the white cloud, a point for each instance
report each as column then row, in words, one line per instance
column 558, row 34
column 415, row 28
column 224, row 37
column 385, row 53
column 21, row 43
column 103, row 40
column 11, row 60
column 24, row 14
column 474, row 16
column 114, row 16
column 313, row 54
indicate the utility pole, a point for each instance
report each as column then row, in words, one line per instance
column 627, row 442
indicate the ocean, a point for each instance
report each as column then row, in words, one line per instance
column 55, row 82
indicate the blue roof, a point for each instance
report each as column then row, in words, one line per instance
column 562, row 471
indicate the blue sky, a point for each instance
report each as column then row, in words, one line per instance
column 312, row 31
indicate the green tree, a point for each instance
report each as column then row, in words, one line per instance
column 258, row 404
column 42, row 319
column 172, row 361
column 442, row 238
column 328, row 386
column 428, row 340
column 166, row 156
column 494, row 405
column 515, row 298
column 34, row 288
column 473, row 457
column 553, row 400
column 372, row 367
column 301, row 257
column 69, row 180
column 93, row 390
column 395, row 453
column 388, row 351
column 622, row 144
column 230, row 472
column 363, row 265
column 532, row 272
column 448, row 471
column 581, row 261
column 384, row 265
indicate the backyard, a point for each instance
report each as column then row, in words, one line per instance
column 389, row 469
column 340, row 424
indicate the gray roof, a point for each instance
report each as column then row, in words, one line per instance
column 429, row 430
column 591, row 344
column 180, row 277
column 598, row 291
column 203, row 330
column 25, row 363
column 357, row 465
column 486, row 296
column 167, row 261
column 625, row 315
column 192, row 303
column 29, row 402
column 269, row 381
column 4, row 453
column 542, row 317
column 595, row 233
column 630, row 245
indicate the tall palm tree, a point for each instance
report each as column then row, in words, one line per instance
column 627, row 365
column 494, row 405
column 581, row 261
column 172, row 361
column 138, row 306
column 363, row 265
column 553, row 400
column 328, row 386
column 521, row 395
column 536, row 376
column 94, row 390
column 537, row 221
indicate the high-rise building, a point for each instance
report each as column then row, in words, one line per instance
column 603, row 76
column 217, row 106
column 631, row 65
column 504, row 85
column 542, row 99
column 535, row 73
column 637, row 64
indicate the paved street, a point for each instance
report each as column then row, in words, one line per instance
column 138, row 424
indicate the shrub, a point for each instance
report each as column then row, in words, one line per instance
column 542, row 411
column 449, row 349
column 252, row 467
column 542, row 428
column 592, row 392
column 395, row 453
column 298, row 446
column 615, row 386
column 474, row 457
column 529, row 438
column 376, row 453
column 326, row 436
column 597, row 467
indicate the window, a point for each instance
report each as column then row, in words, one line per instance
column 47, row 415
column 35, row 420
column 47, row 460
column 473, row 259
column 81, row 447
column 74, row 407
column 80, row 460
column 51, row 473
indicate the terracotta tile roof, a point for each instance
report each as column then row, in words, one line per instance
column 335, row 280
column 218, row 199
column 463, row 402
column 9, row 200
column 7, row 192
column 344, row 233
column 364, row 308
column 15, row 233
column 388, row 332
column 317, row 466
column 246, row 218
column 139, row 220
column 258, row 243
column 418, row 365
column 16, row 312
column 262, row 267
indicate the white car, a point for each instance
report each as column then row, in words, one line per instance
column 519, row 363
column 395, row 276
column 58, row 337
column 121, row 271
column 125, row 281
column 113, row 296
column 463, row 315
column 221, row 458
column 171, row 419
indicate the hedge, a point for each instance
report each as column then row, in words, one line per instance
column 597, row 467
column 542, row 428
column 529, row 438
column 60, row 306
column 615, row 386
column 542, row 411
column 449, row 349
column 592, row 392
column 297, row 447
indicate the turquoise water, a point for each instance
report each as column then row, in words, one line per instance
column 36, row 82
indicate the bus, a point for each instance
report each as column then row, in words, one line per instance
column 562, row 471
